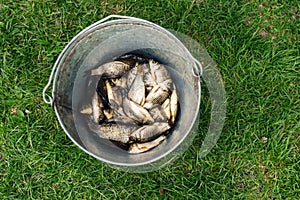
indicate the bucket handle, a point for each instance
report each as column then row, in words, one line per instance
column 48, row 99
column 197, row 70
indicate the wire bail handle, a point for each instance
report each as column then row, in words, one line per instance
column 49, row 99
column 197, row 69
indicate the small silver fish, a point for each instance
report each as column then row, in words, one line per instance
column 167, row 108
column 137, row 90
column 158, row 113
column 118, row 112
column 130, row 76
column 122, row 120
column 115, row 96
column 143, row 147
column 97, row 107
column 136, row 112
column 119, row 94
column 167, row 84
column 113, row 69
column 156, row 96
column 110, row 94
column 116, row 100
column 102, row 91
column 158, row 71
column 116, row 132
column 173, row 105
column 148, row 78
column 148, row 132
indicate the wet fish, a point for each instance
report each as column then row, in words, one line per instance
column 119, row 94
column 173, row 105
column 116, row 132
column 97, row 108
column 156, row 96
column 122, row 120
column 167, row 108
column 148, row 78
column 130, row 76
column 115, row 95
column 118, row 112
column 110, row 93
column 102, row 92
column 137, row 90
column 136, row 112
column 113, row 69
column 158, row 71
column 143, row 147
column 167, row 84
column 158, row 113
column 149, row 132
column 116, row 103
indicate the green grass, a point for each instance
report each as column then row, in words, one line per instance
column 256, row 47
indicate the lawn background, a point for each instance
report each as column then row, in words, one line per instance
column 256, row 48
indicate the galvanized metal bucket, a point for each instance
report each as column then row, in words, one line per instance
column 100, row 43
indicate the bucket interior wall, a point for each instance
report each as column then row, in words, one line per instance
column 102, row 44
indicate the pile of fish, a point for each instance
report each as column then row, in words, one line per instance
column 135, row 102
